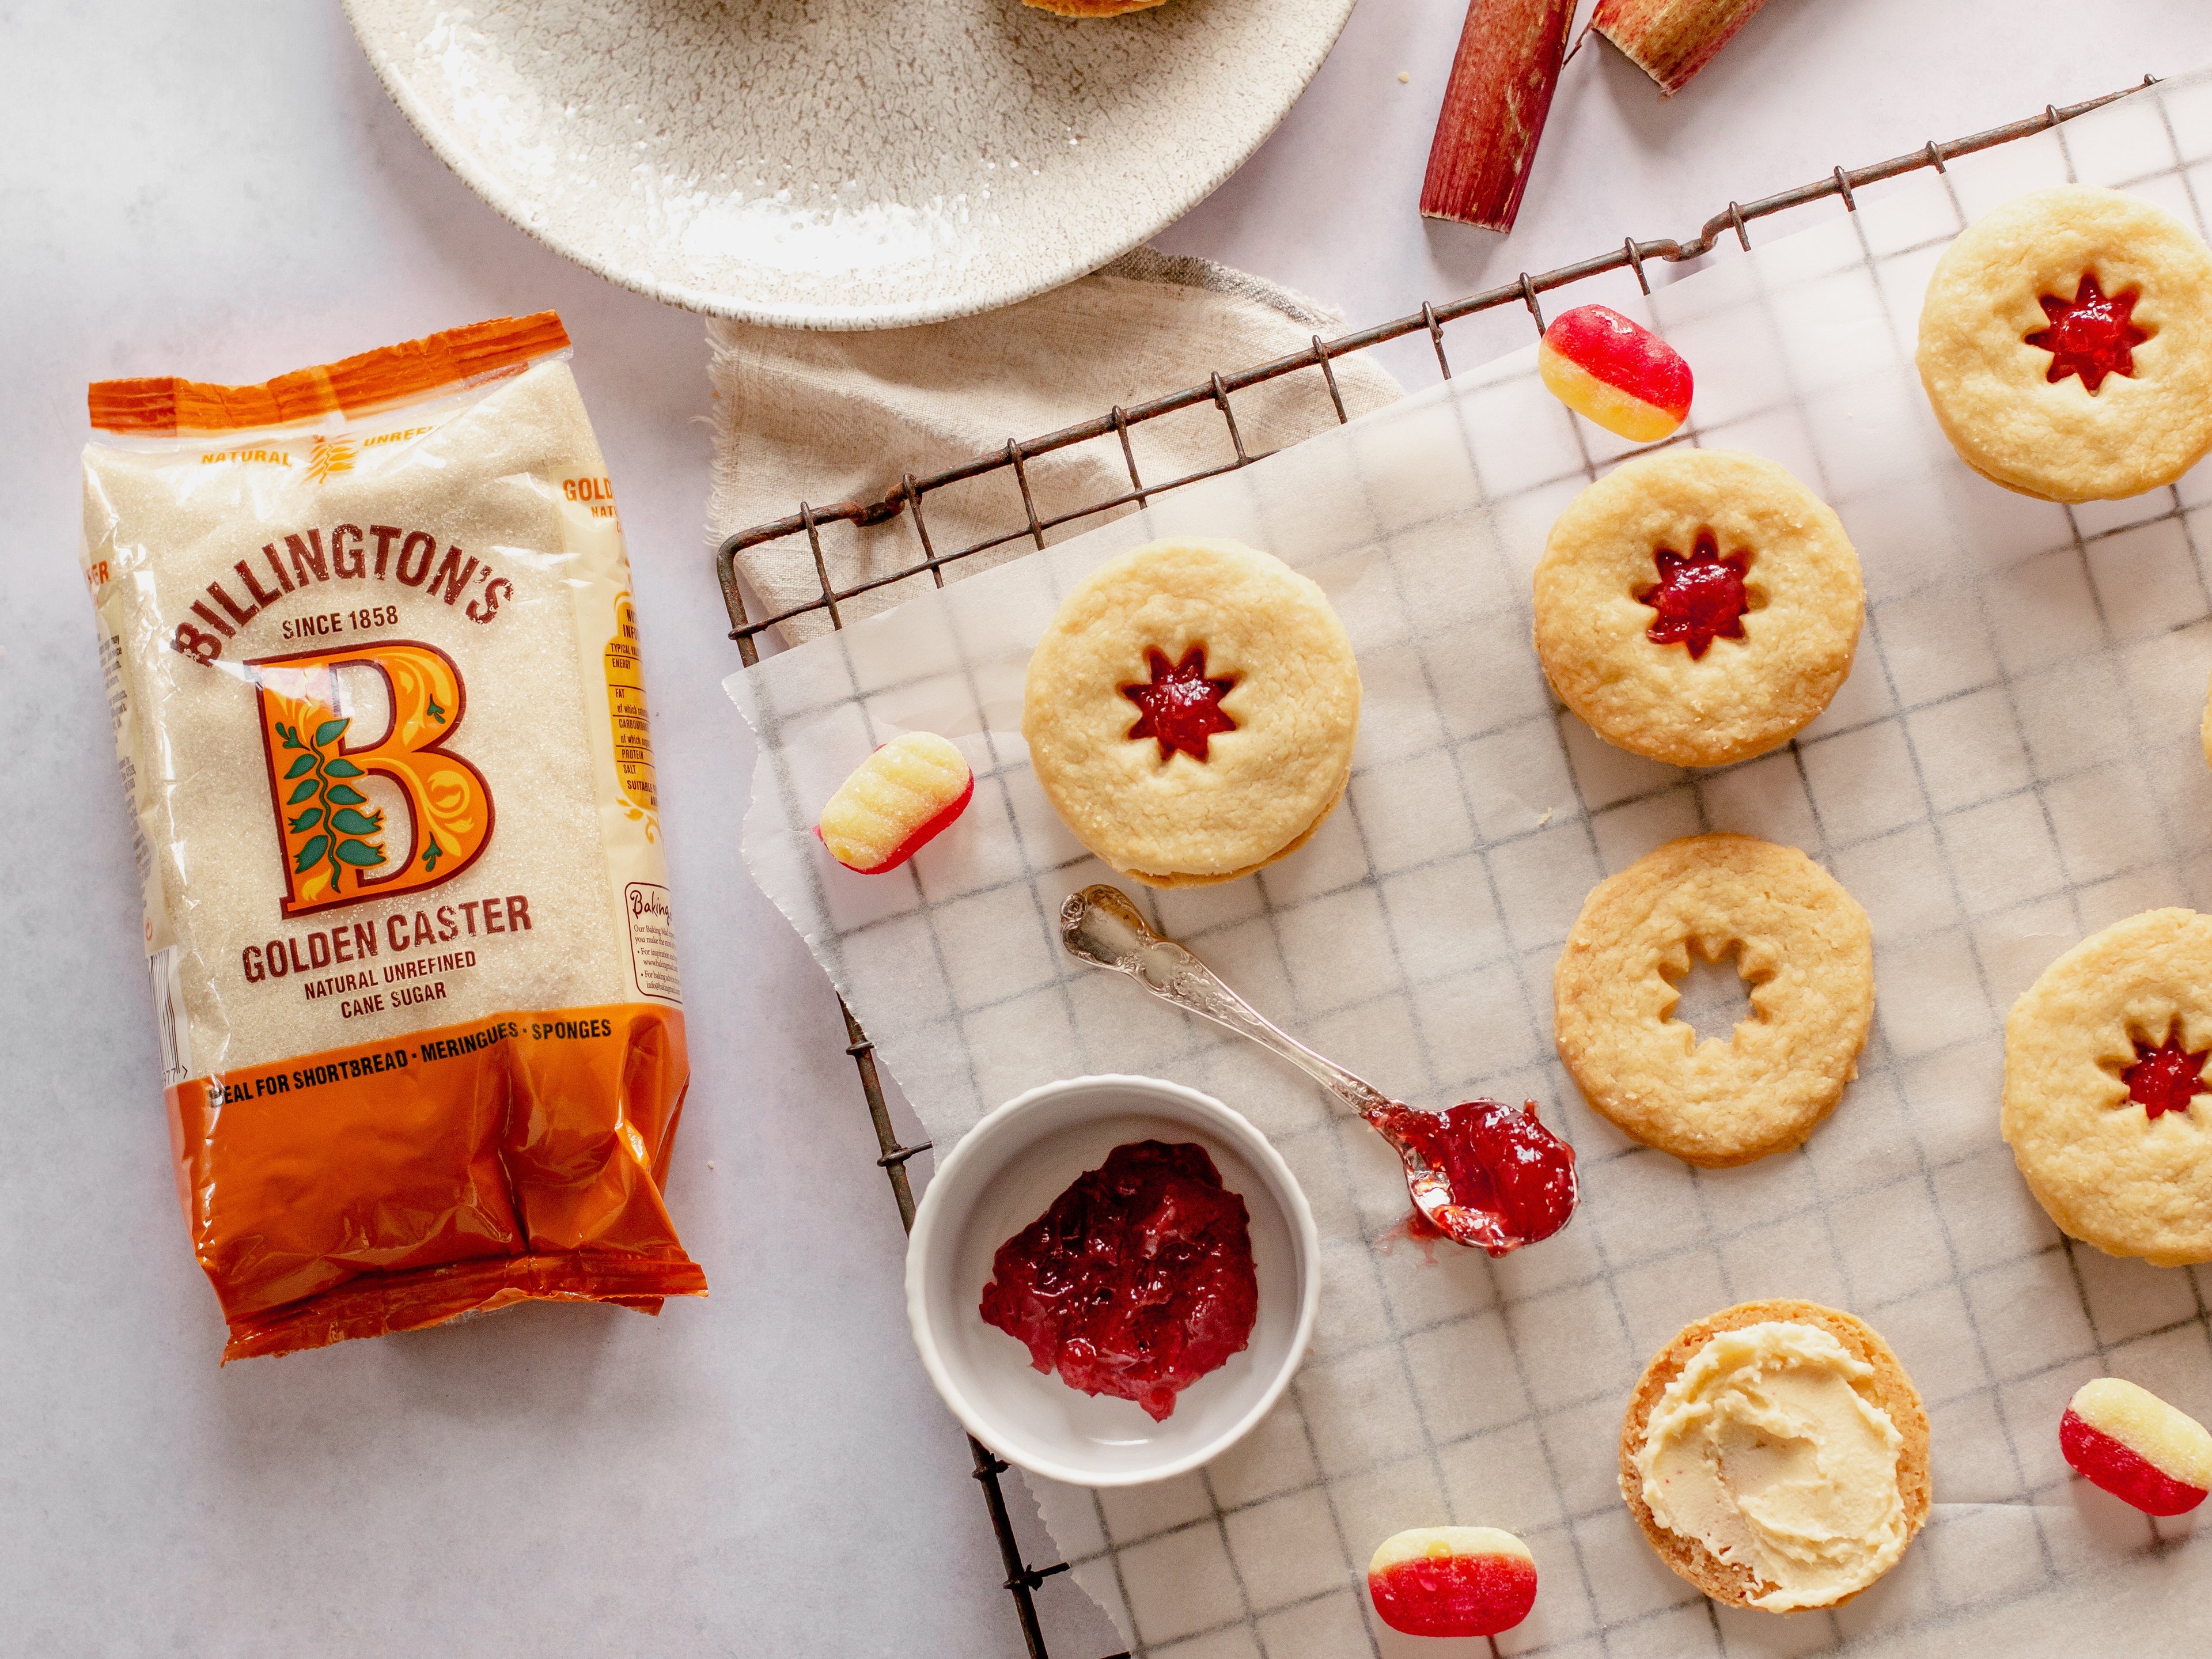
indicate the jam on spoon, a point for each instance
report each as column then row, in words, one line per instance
column 1481, row 1174
column 1512, row 1177
column 1137, row 1282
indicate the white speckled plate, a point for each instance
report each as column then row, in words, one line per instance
column 842, row 163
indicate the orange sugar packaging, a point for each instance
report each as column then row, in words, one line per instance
column 371, row 659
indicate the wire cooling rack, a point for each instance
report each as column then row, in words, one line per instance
column 1024, row 1579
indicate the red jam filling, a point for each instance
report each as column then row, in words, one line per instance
column 2164, row 1078
column 1137, row 1281
column 1181, row 707
column 1454, row 1595
column 2102, row 1461
column 1699, row 599
column 1514, row 1177
column 2090, row 335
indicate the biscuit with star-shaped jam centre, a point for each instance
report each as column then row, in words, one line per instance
column 2066, row 345
column 2106, row 1106
column 1190, row 711
column 1698, row 607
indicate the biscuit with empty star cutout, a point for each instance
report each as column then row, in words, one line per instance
column 1803, row 944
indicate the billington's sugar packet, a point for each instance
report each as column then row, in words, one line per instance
column 373, row 662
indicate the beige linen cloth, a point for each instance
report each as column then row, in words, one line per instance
column 823, row 417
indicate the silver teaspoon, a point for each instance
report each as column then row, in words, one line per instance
column 1099, row 926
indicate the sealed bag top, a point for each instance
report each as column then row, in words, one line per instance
column 372, row 658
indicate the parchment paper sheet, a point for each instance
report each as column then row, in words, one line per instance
column 2013, row 764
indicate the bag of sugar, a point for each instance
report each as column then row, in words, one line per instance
column 372, row 664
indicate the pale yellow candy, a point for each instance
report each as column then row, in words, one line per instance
column 2168, row 1439
column 890, row 797
column 1620, row 412
column 1439, row 1543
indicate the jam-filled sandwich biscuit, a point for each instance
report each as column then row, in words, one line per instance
column 2106, row 1106
column 2066, row 345
column 1190, row 711
column 1698, row 607
column 1801, row 943
column 1776, row 1456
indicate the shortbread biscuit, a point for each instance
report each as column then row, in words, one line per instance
column 1093, row 8
column 1639, row 556
column 2008, row 308
column 2104, row 1107
column 1804, row 946
column 1888, row 1389
column 1190, row 711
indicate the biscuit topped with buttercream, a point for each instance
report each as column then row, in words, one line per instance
column 1776, row 1455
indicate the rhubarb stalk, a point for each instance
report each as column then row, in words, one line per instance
column 1508, row 62
column 1670, row 40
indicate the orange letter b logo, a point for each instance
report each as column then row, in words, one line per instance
column 339, row 847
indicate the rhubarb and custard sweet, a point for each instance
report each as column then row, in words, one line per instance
column 1616, row 372
column 2066, row 345
column 1775, row 1454
column 1452, row 1581
column 1190, row 711
column 2125, row 1439
column 895, row 803
column 1698, row 607
column 2106, row 1106
column 1801, row 943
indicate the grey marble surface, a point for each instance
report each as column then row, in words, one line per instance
column 221, row 190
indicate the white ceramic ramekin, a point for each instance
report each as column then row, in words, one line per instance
column 1004, row 1174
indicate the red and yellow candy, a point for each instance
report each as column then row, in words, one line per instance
column 895, row 801
column 1452, row 1581
column 2137, row 1447
column 1622, row 376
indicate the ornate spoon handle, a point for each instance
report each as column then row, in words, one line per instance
column 1103, row 928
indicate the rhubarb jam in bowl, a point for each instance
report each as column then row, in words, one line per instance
column 1111, row 1280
